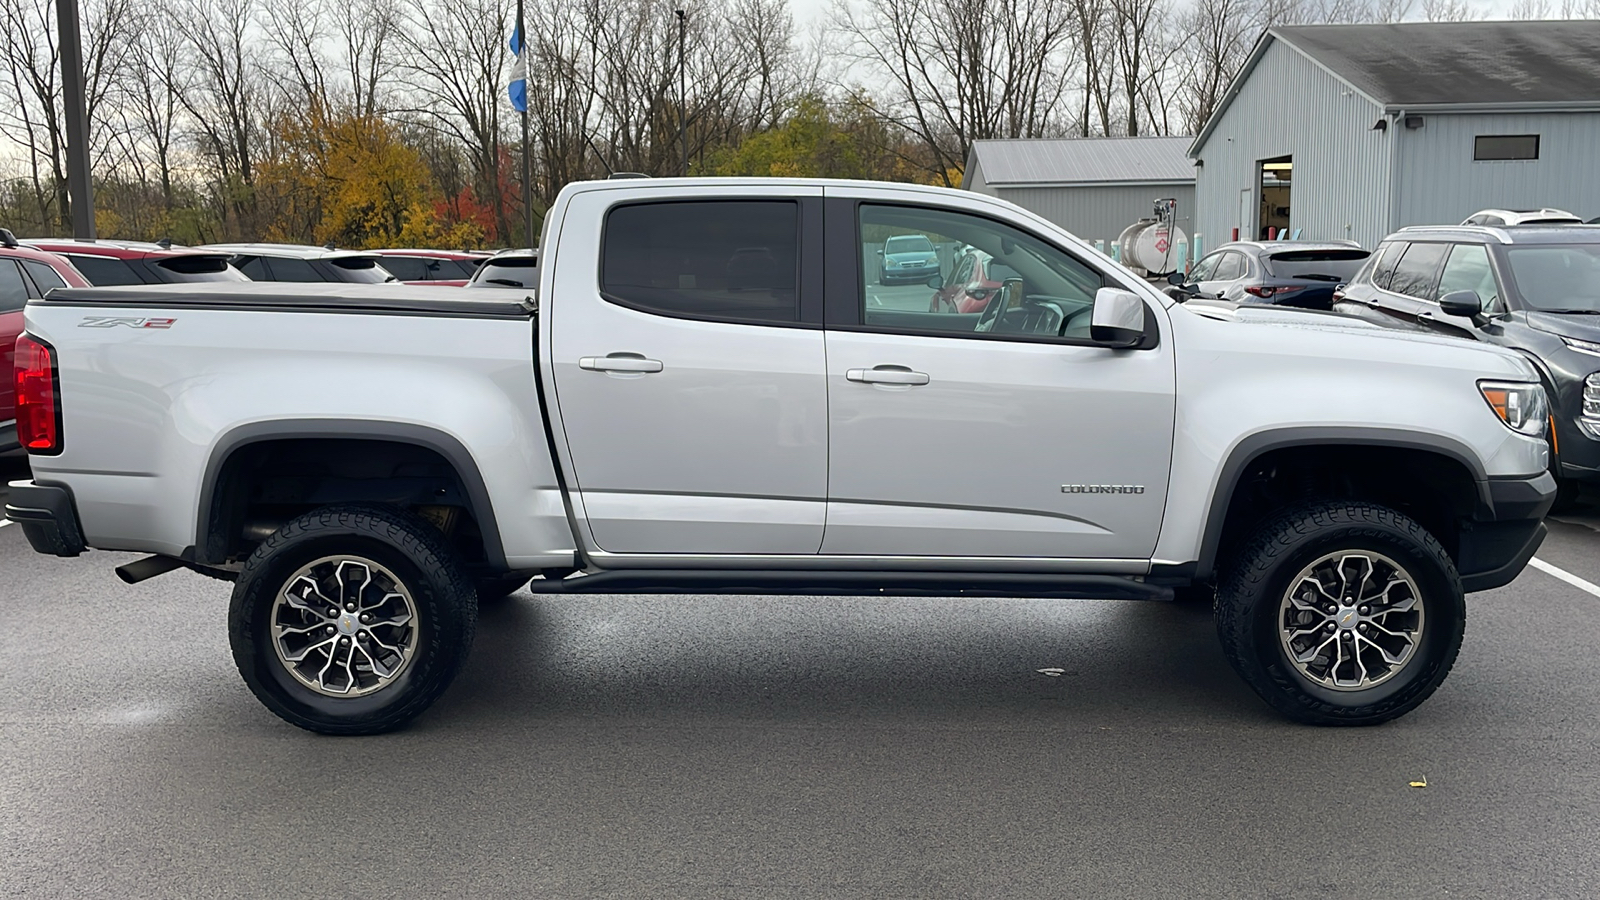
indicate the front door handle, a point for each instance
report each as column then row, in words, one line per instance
column 620, row 362
column 886, row 375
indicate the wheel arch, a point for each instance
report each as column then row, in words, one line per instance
column 211, row 544
column 1255, row 448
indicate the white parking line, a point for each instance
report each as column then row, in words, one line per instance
column 1564, row 575
column 4, row 522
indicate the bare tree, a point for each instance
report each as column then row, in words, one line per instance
column 1137, row 24
column 1449, row 11
column 225, row 98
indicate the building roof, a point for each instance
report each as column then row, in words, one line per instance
column 1445, row 66
column 1063, row 161
column 1444, row 63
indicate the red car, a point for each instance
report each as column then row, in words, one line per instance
column 109, row 263
column 971, row 284
column 24, row 274
column 438, row 267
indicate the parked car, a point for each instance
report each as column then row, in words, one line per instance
column 25, row 274
column 508, row 269
column 1546, row 216
column 1303, row 274
column 1534, row 289
column 117, row 263
column 652, row 426
column 303, row 263
column 908, row 258
column 446, row 268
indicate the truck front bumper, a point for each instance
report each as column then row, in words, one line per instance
column 47, row 516
column 1497, row 544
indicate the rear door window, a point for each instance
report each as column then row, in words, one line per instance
column 253, row 268
column 290, row 269
column 44, row 277
column 13, row 289
column 1388, row 257
column 723, row 259
column 105, row 271
column 1418, row 273
column 1230, row 268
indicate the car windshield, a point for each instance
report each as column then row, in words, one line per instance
column 911, row 243
column 1317, row 265
column 507, row 272
column 361, row 269
column 1558, row 278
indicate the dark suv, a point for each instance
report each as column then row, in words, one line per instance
column 1533, row 288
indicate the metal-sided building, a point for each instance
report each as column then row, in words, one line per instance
column 1093, row 187
column 1353, row 131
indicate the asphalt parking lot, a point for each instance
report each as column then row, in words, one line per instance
column 776, row 747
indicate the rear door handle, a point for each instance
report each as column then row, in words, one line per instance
column 886, row 375
column 1425, row 315
column 620, row 362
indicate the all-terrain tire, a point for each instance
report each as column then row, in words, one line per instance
column 408, row 567
column 1250, row 611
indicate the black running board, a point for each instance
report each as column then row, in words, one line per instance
column 893, row 584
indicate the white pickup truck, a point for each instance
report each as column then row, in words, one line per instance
column 714, row 389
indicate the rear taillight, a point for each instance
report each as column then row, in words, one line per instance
column 38, row 400
column 1261, row 291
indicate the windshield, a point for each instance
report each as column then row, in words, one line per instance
column 909, row 244
column 1557, row 278
column 361, row 269
column 1317, row 265
column 507, row 272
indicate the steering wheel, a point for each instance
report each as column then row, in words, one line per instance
column 996, row 307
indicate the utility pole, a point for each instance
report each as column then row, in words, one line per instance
column 527, row 162
column 80, row 191
column 683, row 109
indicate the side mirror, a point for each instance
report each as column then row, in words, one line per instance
column 1466, row 304
column 1175, row 279
column 1461, row 303
column 936, row 282
column 1117, row 320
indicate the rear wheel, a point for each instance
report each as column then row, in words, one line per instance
column 1342, row 614
column 351, row 619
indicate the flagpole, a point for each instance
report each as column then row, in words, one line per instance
column 527, row 167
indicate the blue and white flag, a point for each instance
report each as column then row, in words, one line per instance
column 518, row 89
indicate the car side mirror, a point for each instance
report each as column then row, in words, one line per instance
column 1117, row 319
column 936, row 282
column 1466, row 304
column 1175, row 279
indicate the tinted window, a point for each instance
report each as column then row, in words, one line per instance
column 1468, row 270
column 410, row 268
column 288, row 269
column 13, row 290
column 103, row 271
column 1557, row 278
column 252, row 267
column 508, row 272
column 915, row 243
column 44, row 277
column 196, row 268
column 730, row 259
column 1020, row 285
column 1229, row 267
column 359, row 270
column 1317, row 265
column 1418, row 272
column 1505, row 146
column 1388, row 256
column 456, row 268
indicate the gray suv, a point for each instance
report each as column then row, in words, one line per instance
column 1532, row 288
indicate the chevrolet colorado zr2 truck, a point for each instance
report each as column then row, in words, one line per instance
column 710, row 390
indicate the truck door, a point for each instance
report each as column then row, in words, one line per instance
column 999, row 433
column 689, row 371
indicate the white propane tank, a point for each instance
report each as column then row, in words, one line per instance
column 1152, row 247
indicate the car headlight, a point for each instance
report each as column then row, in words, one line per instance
column 1582, row 346
column 1522, row 406
column 1591, row 396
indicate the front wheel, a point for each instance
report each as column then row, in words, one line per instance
column 351, row 619
column 1342, row 614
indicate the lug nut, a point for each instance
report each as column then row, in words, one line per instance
column 1329, row 627
column 362, row 636
column 350, row 606
column 365, row 618
column 343, row 641
column 1366, row 610
column 1362, row 627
